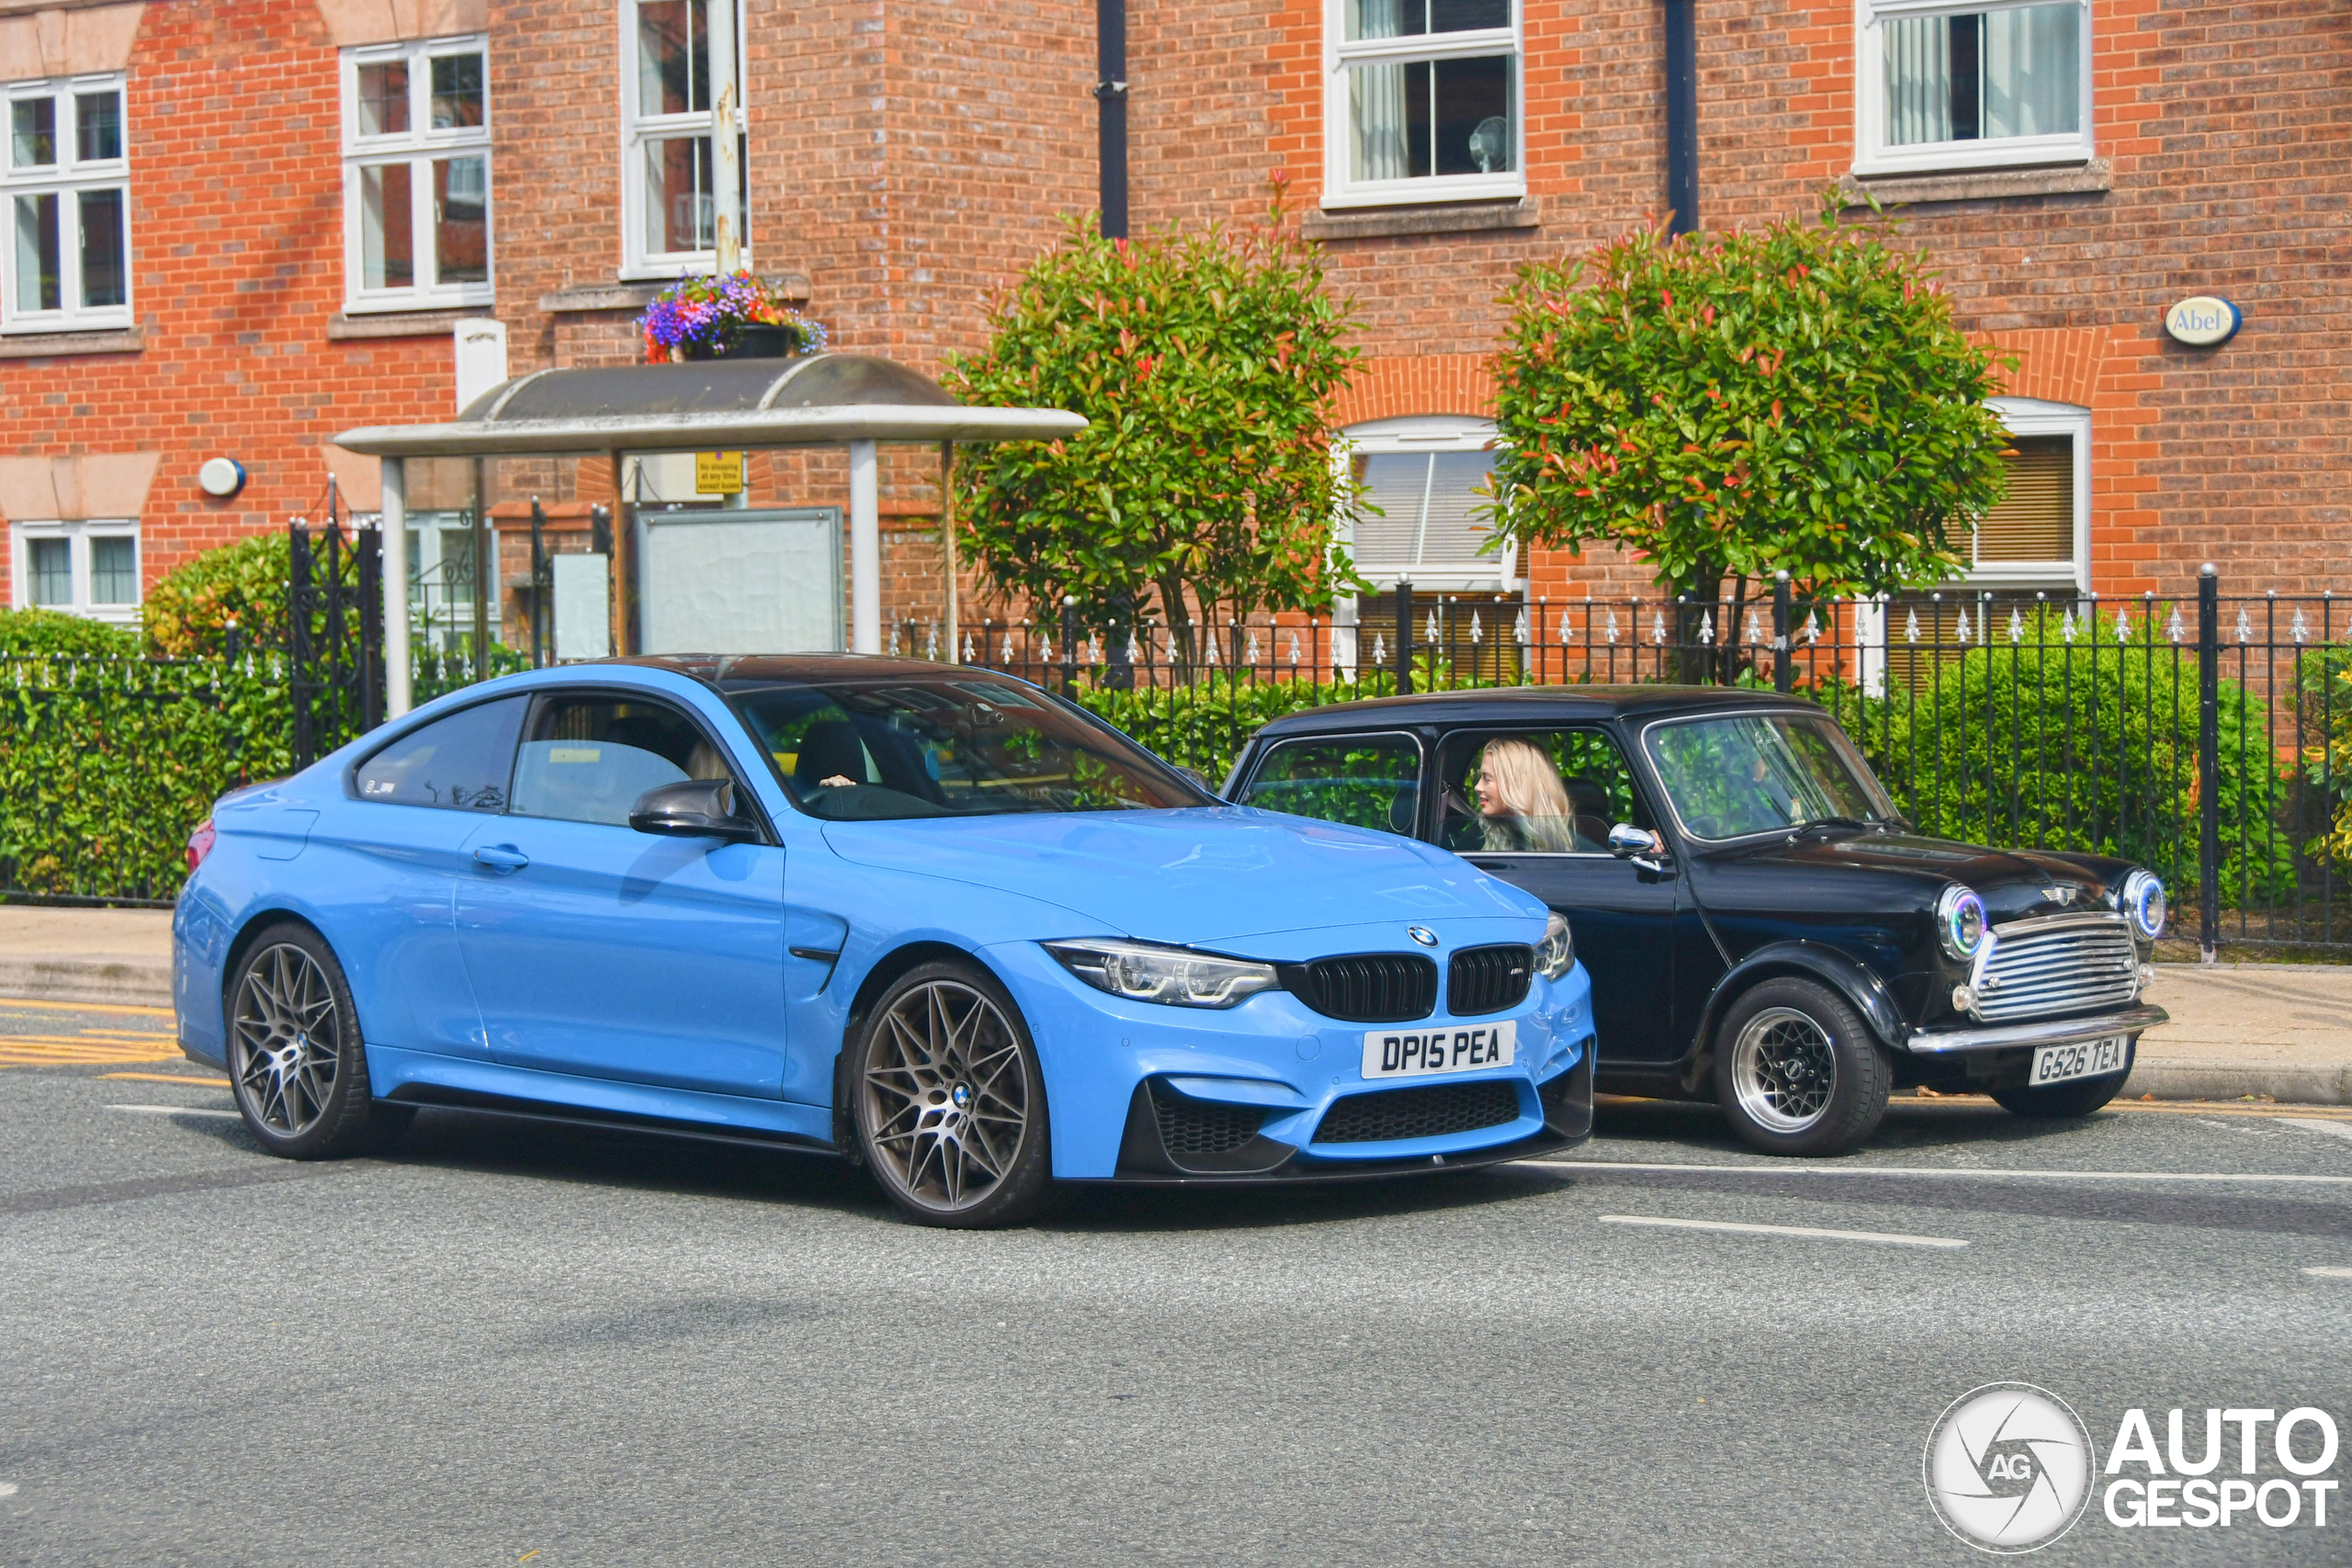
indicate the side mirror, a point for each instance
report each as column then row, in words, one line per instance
column 692, row 808
column 1628, row 842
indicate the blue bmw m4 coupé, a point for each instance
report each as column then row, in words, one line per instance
column 936, row 920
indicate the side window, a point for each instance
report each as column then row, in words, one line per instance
column 588, row 759
column 1366, row 781
column 1535, row 792
column 461, row 763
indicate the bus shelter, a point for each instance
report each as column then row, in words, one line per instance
column 721, row 405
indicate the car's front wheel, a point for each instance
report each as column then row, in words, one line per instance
column 2061, row 1101
column 949, row 1101
column 1798, row 1072
column 296, row 1062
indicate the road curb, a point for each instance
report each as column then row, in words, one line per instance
column 2192, row 1077
column 118, row 982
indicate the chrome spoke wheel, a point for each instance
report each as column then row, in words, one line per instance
column 1784, row 1070
column 287, row 1034
column 947, row 1095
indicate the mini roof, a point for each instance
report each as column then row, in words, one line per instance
column 710, row 405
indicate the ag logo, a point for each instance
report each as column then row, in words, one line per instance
column 2008, row 1467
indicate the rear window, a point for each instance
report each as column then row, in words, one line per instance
column 1365, row 781
column 462, row 762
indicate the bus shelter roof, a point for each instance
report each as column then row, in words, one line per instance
column 708, row 405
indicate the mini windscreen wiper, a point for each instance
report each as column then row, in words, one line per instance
column 1854, row 822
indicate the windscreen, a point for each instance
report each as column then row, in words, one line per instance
column 949, row 746
column 1762, row 773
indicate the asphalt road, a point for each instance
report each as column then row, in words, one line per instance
column 504, row 1344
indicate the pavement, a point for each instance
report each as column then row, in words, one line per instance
column 503, row 1343
column 2272, row 1030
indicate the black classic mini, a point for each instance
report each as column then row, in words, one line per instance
column 1761, row 928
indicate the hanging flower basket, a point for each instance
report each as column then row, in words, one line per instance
column 736, row 316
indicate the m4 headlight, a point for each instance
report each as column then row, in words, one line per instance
column 2144, row 903
column 1175, row 976
column 1556, row 955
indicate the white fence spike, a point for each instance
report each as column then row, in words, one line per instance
column 2300, row 630
column 2066, row 625
column 1294, row 650
column 2245, row 626
column 1379, row 648
column 1911, row 626
column 1519, row 630
column 1812, row 627
column 1434, row 633
column 2173, row 629
column 2016, row 626
column 1477, row 636
column 1253, row 647
column 2123, row 623
column 1657, row 627
column 1707, row 625
column 1755, row 629
column 1960, row 627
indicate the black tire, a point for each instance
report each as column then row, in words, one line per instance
column 2063, row 1101
column 1798, row 1072
column 949, row 1101
column 296, row 1063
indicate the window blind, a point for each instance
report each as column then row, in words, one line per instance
column 2036, row 521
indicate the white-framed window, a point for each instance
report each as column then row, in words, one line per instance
column 1421, row 101
column 1424, row 475
column 83, row 568
column 1941, row 85
column 417, row 176
column 2040, row 535
column 67, row 180
column 670, row 206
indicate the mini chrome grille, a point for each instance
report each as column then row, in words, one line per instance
column 2070, row 964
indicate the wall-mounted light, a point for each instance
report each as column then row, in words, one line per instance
column 221, row 478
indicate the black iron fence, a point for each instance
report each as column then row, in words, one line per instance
column 335, row 636
column 2209, row 737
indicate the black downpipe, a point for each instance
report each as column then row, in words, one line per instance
column 1111, row 94
column 1681, row 114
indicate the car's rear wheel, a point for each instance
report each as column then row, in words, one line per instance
column 2060, row 1101
column 949, row 1101
column 296, row 1063
column 1797, row 1071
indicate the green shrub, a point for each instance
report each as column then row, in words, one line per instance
column 52, row 632
column 1203, row 726
column 188, row 611
column 107, row 763
column 2087, row 746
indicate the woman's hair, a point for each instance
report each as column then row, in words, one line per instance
column 1529, row 789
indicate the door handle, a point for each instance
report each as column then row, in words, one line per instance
column 501, row 857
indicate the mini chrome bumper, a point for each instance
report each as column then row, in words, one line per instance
column 2051, row 1032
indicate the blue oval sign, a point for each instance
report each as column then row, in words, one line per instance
column 2203, row 321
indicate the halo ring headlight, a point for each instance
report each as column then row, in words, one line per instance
column 2143, row 902
column 1960, row 925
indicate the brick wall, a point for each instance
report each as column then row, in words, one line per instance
column 2226, row 127
column 237, row 228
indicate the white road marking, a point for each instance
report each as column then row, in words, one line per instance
column 8, row 1489
column 175, row 1111
column 2229, row 1127
column 1871, row 1238
column 2313, row 1125
column 2330, row 1273
column 1985, row 1173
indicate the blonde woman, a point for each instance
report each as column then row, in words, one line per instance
column 1523, row 805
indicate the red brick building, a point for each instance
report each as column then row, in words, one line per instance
column 238, row 226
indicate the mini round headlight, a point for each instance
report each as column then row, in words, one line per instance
column 1959, row 921
column 2144, row 900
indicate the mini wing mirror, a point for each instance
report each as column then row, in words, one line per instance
column 1641, row 846
column 692, row 808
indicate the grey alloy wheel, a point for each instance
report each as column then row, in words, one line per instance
column 1783, row 1069
column 287, row 1034
column 948, row 1093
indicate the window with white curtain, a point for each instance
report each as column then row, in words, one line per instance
column 671, row 211
column 79, row 568
column 1959, row 87
column 1424, row 503
column 417, row 176
column 66, row 265
column 1421, row 101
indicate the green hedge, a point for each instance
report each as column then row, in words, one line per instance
column 107, row 763
column 1203, row 726
column 2090, row 747
column 24, row 632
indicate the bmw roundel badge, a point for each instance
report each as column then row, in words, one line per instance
column 1422, row 934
